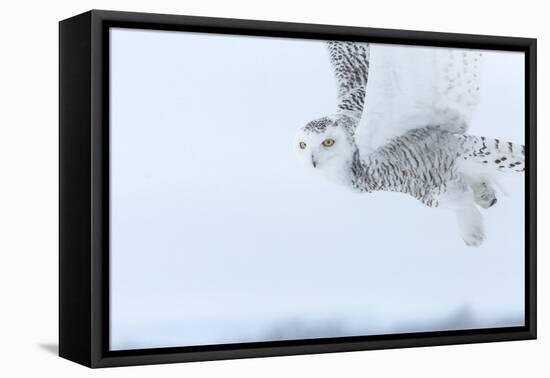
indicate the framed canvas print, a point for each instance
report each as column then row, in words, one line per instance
column 234, row 188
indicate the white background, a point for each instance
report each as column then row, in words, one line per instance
column 28, row 195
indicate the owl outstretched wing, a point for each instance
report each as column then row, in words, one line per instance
column 350, row 64
column 410, row 87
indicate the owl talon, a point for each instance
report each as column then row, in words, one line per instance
column 475, row 239
column 484, row 195
column 470, row 222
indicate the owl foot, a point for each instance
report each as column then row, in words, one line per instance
column 470, row 223
column 474, row 238
column 484, row 195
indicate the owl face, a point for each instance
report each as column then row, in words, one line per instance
column 326, row 145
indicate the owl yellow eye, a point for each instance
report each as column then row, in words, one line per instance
column 302, row 145
column 328, row 142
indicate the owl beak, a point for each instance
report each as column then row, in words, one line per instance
column 313, row 162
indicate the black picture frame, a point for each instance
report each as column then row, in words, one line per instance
column 84, row 188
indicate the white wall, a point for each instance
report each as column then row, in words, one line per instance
column 28, row 196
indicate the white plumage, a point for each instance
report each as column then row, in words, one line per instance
column 411, row 87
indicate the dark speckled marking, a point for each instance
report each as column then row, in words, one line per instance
column 320, row 125
column 350, row 63
column 477, row 148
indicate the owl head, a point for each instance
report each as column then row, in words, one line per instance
column 328, row 144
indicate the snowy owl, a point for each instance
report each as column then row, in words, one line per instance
column 400, row 125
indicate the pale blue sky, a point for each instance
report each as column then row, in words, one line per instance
column 218, row 235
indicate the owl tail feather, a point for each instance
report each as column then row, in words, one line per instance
column 494, row 153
